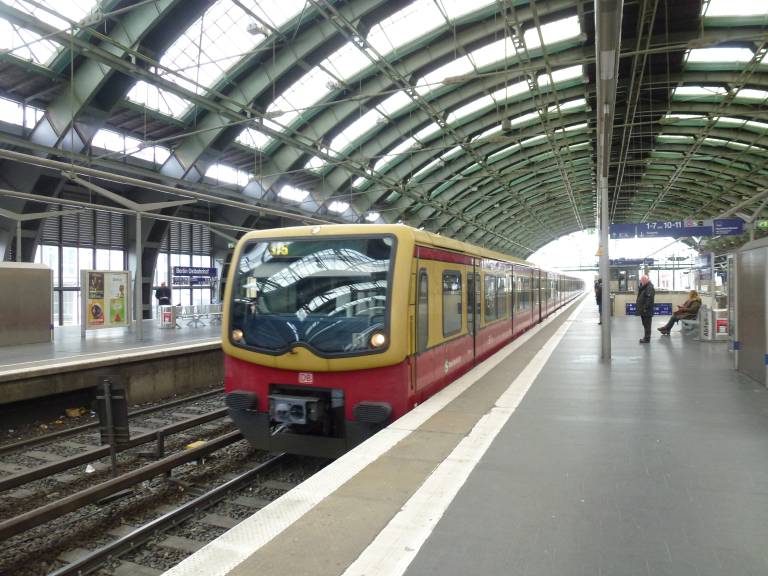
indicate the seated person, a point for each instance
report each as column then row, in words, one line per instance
column 688, row 311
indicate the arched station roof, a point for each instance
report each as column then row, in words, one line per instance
column 472, row 118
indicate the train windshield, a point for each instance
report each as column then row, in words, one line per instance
column 330, row 295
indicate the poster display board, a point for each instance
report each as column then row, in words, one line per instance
column 105, row 302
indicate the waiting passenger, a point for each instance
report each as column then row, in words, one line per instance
column 599, row 299
column 645, row 299
column 688, row 311
column 163, row 295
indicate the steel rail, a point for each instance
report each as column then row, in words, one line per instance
column 33, row 518
column 99, row 557
column 36, row 441
column 46, row 470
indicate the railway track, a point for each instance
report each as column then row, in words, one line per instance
column 51, row 467
column 168, row 498
column 163, row 519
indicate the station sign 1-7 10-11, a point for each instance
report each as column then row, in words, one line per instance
column 679, row 228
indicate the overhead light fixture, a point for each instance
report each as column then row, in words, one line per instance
column 254, row 28
column 607, row 64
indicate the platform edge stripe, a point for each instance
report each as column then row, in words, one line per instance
column 224, row 554
column 127, row 354
column 393, row 550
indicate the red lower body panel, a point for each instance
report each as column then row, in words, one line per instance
column 387, row 384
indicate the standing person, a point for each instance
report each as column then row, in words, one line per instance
column 599, row 299
column 645, row 296
column 163, row 295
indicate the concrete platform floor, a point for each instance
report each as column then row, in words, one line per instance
column 654, row 464
column 67, row 345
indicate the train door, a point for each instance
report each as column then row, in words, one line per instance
column 422, row 320
column 537, row 294
column 473, row 303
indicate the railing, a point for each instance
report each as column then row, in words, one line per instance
column 195, row 315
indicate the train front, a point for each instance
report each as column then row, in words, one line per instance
column 315, row 336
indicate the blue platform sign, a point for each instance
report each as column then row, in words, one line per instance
column 678, row 228
column 660, row 309
column 622, row 230
column 674, row 229
column 728, row 226
column 194, row 271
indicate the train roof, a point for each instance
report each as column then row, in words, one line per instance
column 419, row 237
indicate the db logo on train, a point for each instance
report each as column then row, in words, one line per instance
column 306, row 378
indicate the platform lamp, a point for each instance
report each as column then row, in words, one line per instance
column 19, row 218
column 140, row 210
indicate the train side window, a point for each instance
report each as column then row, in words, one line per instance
column 501, row 295
column 470, row 302
column 452, row 305
column 422, row 312
column 490, row 298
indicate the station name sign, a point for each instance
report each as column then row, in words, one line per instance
column 193, row 271
column 679, row 228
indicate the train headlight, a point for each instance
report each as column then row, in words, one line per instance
column 237, row 335
column 378, row 340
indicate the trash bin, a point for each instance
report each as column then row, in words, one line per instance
column 167, row 316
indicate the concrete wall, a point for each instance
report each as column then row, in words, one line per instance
column 145, row 380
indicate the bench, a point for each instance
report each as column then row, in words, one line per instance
column 689, row 327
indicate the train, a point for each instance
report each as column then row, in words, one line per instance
column 332, row 332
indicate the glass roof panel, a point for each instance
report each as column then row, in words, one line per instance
column 25, row 44
column 158, row 99
column 354, row 131
column 17, row 113
column 372, row 216
column 227, row 174
column 427, row 132
column 305, row 92
column 435, row 79
column 752, row 95
column 392, row 155
column 471, row 108
column 47, row 10
column 494, row 52
column 457, row 8
column 346, row 62
column 486, row 133
column 561, row 75
column 693, row 93
column 416, row 19
column 292, row 193
column 719, row 55
column 554, row 32
column 437, row 162
column 395, row 103
column 218, row 40
column 735, row 8
column 29, row 45
column 338, row 206
column 253, row 138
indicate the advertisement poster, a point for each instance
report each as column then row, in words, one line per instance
column 95, row 309
column 117, row 307
column 105, row 303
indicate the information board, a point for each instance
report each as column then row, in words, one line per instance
column 679, row 228
column 192, row 276
column 660, row 309
column 105, row 302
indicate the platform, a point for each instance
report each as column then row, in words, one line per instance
column 541, row 461
column 68, row 362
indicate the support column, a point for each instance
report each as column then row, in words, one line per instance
column 18, row 240
column 138, row 309
column 605, row 351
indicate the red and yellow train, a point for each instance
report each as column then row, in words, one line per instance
column 332, row 332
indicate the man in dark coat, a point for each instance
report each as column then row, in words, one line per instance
column 645, row 296
column 163, row 295
column 599, row 299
